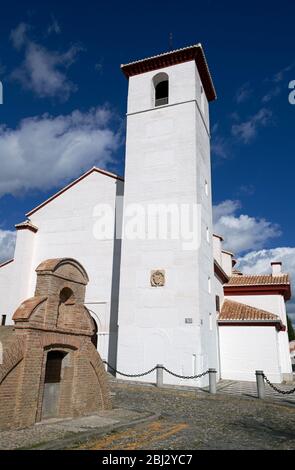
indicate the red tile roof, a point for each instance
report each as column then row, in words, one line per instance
column 235, row 311
column 261, row 280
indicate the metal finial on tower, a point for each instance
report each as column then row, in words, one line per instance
column 171, row 41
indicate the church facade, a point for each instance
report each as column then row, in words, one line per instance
column 162, row 290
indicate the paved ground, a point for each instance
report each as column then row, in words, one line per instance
column 249, row 389
column 55, row 433
column 196, row 420
column 183, row 420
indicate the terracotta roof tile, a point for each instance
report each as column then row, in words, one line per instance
column 261, row 280
column 235, row 311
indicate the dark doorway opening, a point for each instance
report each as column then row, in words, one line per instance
column 94, row 338
column 162, row 91
column 53, row 377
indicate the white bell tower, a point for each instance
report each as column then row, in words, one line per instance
column 167, row 310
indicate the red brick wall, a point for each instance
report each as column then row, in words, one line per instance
column 47, row 327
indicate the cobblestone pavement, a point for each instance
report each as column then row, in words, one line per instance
column 195, row 420
column 183, row 420
column 53, row 433
column 250, row 389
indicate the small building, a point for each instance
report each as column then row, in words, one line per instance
column 252, row 320
column 50, row 367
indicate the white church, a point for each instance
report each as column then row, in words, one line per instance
column 168, row 297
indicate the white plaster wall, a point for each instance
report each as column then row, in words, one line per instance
column 15, row 277
column 218, row 289
column 245, row 349
column 276, row 305
column 217, row 249
column 167, row 161
column 6, row 291
column 66, row 229
column 226, row 263
column 184, row 86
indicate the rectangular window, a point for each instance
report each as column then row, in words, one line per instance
column 209, row 285
column 210, row 322
column 217, row 303
column 3, row 320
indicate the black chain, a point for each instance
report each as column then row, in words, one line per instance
column 153, row 370
column 282, row 392
column 130, row 375
column 186, row 377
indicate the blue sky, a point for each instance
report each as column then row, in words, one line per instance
column 60, row 68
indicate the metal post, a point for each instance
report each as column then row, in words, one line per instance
column 160, row 374
column 212, row 381
column 260, row 384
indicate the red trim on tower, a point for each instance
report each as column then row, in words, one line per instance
column 168, row 59
column 279, row 289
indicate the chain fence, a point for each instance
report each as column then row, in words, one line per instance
column 184, row 377
column 212, row 380
column 276, row 389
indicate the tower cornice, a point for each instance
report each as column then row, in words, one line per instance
column 170, row 58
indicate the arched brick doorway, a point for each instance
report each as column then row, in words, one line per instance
column 52, row 384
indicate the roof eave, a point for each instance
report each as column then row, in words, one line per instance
column 73, row 183
column 170, row 58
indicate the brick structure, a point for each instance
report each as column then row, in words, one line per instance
column 50, row 367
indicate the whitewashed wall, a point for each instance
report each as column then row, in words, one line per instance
column 227, row 262
column 276, row 305
column 7, row 301
column 167, row 161
column 66, row 229
column 217, row 248
column 245, row 349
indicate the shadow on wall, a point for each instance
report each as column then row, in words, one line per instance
column 113, row 339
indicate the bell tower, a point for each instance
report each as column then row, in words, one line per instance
column 167, row 312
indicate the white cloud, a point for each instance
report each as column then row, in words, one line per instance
column 258, row 262
column 219, row 147
column 2, row 68
column 272, row 93
column 241, row 232
column 279, row 76
column 247, row 130
column 45, row 151
column 225, row 208
column 7, row 243
column 43, row 71
column 243, row 93
column 18, row 35
column 277, row 86
column 54, row 27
